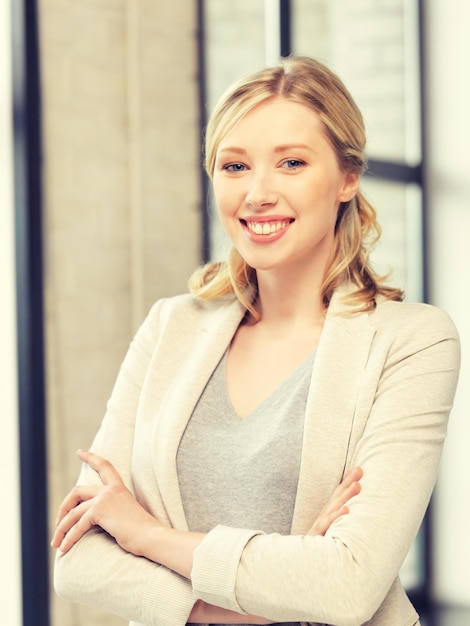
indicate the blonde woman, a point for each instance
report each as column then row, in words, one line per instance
column 273, row 438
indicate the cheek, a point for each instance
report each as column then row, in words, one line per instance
column 224, row 213
column 319, row 196
column 218, row 191
column 221, row 204
column 225, row 199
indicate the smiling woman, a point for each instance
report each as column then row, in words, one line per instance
column 242, row 473
column 311, row 127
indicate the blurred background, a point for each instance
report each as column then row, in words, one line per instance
column 104, row 208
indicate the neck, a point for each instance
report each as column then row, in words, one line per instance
column 291, row 299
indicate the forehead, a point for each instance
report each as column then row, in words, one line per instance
column 276, row 119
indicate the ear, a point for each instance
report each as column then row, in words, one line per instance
column 349, row 188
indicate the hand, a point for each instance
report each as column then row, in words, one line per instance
column 336, row 505
column 109, row 505
column 203, row 613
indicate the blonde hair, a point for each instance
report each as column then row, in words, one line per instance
column 308, row 82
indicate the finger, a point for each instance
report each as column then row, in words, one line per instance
column 334, row 515
column 344, row 495
column 336, row 505
column 352, row 475
column 75, row 533
column 77, row 495
column 323, row 523
column 341, row 496
column 69, row 520
column 357, row 473
column 351, row 478
column 103, row 467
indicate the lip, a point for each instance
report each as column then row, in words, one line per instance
column 275, row 235
column 266, row 218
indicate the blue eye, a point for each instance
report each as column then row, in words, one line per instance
column 234, row 167
column 292, row 164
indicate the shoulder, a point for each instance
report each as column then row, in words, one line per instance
column 187, row 312
column 173, row 323
column 412, row 317
column 394, row 318
column 414, row 327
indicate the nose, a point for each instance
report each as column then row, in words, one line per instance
column 260, row 192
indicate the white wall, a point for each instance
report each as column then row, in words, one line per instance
column 10, row 560
column 448, row 100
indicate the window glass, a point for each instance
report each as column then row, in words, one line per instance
column 373, row 46
column 234, row 43
column 399, row 250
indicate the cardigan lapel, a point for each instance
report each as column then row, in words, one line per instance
column 205, row 349
column 339, row 364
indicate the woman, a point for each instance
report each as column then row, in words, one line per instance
column 290, row 382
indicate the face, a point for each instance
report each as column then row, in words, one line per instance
column 278, row 186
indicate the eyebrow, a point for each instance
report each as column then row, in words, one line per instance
column 277, row 149
column 232, row 149
column 290, row 146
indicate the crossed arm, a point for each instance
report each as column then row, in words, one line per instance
column 111, row 506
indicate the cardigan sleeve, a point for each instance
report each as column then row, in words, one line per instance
column 96, row 571
column 345, row 576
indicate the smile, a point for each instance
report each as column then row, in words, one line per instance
column 266, row 228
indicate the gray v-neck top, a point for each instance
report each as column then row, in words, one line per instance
column 243, row 472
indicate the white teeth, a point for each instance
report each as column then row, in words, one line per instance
column 266, row 228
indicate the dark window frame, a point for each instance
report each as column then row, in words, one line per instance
column 30, row 319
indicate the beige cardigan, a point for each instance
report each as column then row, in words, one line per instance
column 381, row 391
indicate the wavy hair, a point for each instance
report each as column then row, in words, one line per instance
column 310, row 83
